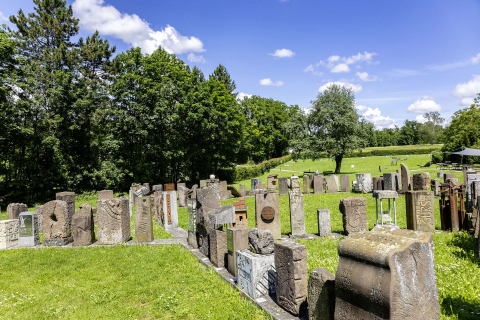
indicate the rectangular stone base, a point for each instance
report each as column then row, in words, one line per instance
column 57, row 242
column 256, row 273
column 192, row 240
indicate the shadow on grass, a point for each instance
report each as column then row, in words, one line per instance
column 459, row 308
column 468, row 245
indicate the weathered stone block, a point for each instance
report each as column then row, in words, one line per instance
column 83, row 226
column 420, row 211
column 389, row 182
column 272, row 181
column 321, row 295
column 158, row 207
column 255, row 182
column 237, row 239
column 354, row 211
column 291, row 267
column 143, row 220
column 207, row 203
column 318, row 184
column 28, row 234
column 256, row 273
column 8, row 233
column 113, row 221
column 365, row 182
column 306, row 184
column 345, row 183
column 331, row 185
column 386, row 275
column 182, row 196
column 471, row 177
column 406, row 183
column 267, row 213
column 157, row 187
column 283, row 186
column 420, row 182
column 297, row 213
column 324, row 225
column 435, row 186
column 57, row 223
column 243, row 190
column 69, row 198
column 260, row 241
column 105, row 195
column 170, row 210
column 39, row 212
column 447, row 176
column 14, row 210
column 295, row 182
column 223, row 215
column 218, row 248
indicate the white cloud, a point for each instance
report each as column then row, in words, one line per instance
column 355, row 87
column 468, row 89
column 2, row 17
column 420, row 118
column 375, row 116
column 333, row 59
column 341, row 67
column 360, row 107
column 243, row 95
column 366, row 56
column 467, row 101
column 476, row 59
column 404, row 72
column 311, row 69
column 282, row 53
column 269, row 82
column 426, row 104
column 95, row 15
column 192, row 57
column 365, row 77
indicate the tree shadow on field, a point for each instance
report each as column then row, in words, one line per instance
column 468, row 245
column 459, row 308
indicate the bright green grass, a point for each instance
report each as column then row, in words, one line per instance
column 421, row 146
column 361, row 165
column 121, row 282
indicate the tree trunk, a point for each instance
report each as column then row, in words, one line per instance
column 338, row 162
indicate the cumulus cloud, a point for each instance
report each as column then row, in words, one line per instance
column 269, row 82
column 243, row 95
column 192, row 57
column 355, row 87
column 360, row 107
column 282, row 53
column 420, row 118
column 426, row 104
column 476, row 59
column 467, row 101
column 341, row 67
column 375, row 116
column 364, row 76
column 311, row 69
column 96, row 15
column 2, row 17
column 464, row 63
column 468, row 89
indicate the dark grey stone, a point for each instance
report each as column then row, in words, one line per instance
column 260, row 241
column 321, row 295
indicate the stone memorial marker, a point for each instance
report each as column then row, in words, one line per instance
column 203, row 183
column 207, row 203
column 420, row 182
column 69, row 198
column 386, row 274
column 237, row 239
column 436, row 187
column 182, row 196
column 453, row 181
column 318, row 184
column 324, row 225
column 192, row 222
column 170, row 212
column 440, row 174
column 354, row 211
column 447, row 176
column 345, row 183
column 169, row 187
column 331, row 185
column 241, row 210
column 39, row 212
column 389, row 182
column 375, row 183
column 260, row 241
column 365, row 183
column 105, row 195
column 398, row 178
column 8, row 233
column 57, row 223
column 272, row 181
column 336, row 181
column 420, row 211
column 14, row 210
column 295, row 181
column 83, row 226
column 243, row 190
column 158, row 214
column 475, row 190
column 113, row 221
column 321, row 295
column 283, row 186
column 218, row 248
column 297, row 213
column 267, row 213
column 223, row 215
column 471, row 177
column 157, row 187
column 256, row 273
column 143, row 220
column 260, row 186
column 406, row 184
column 306, row 184
column 255, row 182
column 223, row 191
column 291, row 267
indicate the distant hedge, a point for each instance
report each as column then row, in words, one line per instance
column 248, row 172
column 399, row 152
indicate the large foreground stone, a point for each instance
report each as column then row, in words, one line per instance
column 113, row 221
column 218, row 248
column 143, row 219
column 297, row 213
column 14, row 210
column 324, row 225
column 420, row 210
column 267, row 213
column 57, row 224
column 386, row 275
column 8, row 233
column 291, row 266
column 256, row 273
column 321, row 295
column 83, row 227
column 354, row 211
column 237, row 239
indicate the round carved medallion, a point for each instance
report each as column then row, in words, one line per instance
column 268, row 214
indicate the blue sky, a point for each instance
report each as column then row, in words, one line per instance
column 403, row 58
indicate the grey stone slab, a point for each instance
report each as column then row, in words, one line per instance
column 256, row 273
column 113, row 221
column 420, row 181
column 420, row 207
column 321, row 295
column 260, row 241
column 406, row 183
column 318, row 184
column 69, row 198
column 345, row 183
column 39, row 212
column 143, row 219
column 170, row 209
column 435, row 187
column 254, row 183
column 243, row 190
column 267, row 213
column 297, row 213
column 389, row 182
column 324, row 224
column 57, row 221
column 14, row 210
column 295, row 182
column 223, row 215
column 8, row 233
column 283, row 186
column 83, row 227
column 306, row 184
column 218, row 248
column 105, row 195
column 331, row 185
column 354, row 211
column 237, row 239
column 182, row 196
column 365, row 182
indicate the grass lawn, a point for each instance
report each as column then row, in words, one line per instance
column 120, row 282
